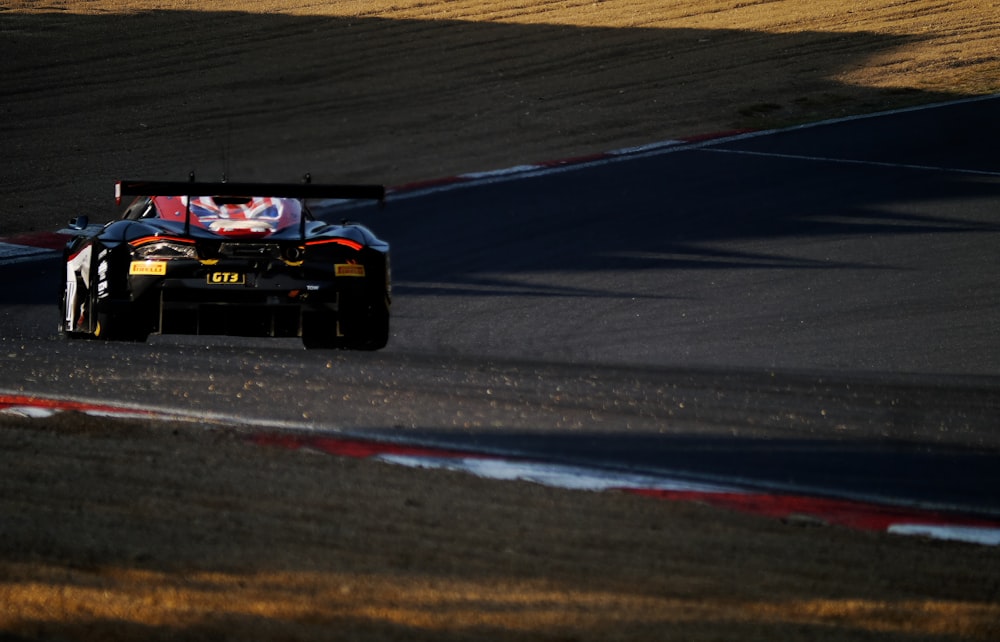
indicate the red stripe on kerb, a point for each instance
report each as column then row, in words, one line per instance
column 46, row 240
column 355, row 447
column 8, row 401
column 858, row 515
column 433, row 182
column 850, row 514
column 698, row 138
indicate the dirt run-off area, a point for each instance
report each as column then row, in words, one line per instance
column 116, row 530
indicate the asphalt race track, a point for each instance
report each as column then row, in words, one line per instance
column 815, row 309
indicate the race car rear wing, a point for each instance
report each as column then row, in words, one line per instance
column 305, row 190
column 277, row 190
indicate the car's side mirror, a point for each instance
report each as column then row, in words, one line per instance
column 79, row 223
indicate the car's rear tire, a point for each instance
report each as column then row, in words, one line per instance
column 370, row 329
column 121, row 326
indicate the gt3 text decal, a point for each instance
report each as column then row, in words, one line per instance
column 225, row 278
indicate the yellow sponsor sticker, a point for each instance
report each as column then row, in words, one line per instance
column 148, row 268
column 349, row 269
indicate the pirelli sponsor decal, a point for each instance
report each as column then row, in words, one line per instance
column 349, row 269
column 148, row 268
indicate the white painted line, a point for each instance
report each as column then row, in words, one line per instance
column 509, row 171
column 855, row 117
column 639, row 149
column 849, row 161
column 30, row 412
column 971, row 534
column 664, row 147
column 554, row 475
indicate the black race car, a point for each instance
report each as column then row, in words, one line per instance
column 245, row 259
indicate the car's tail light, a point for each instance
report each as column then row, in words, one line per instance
column 354, row 245
column 161, row 247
